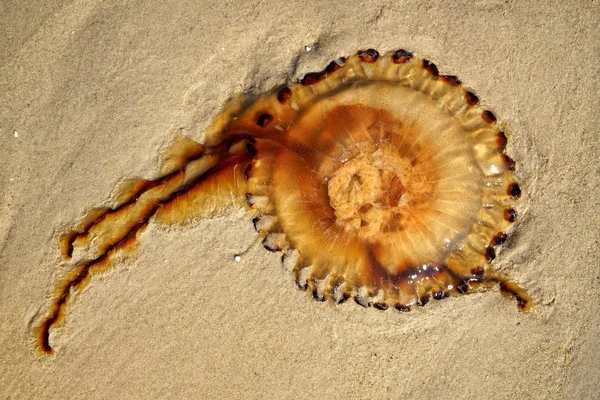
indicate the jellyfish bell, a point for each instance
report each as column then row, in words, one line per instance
column 388, row 181
column 389, row 168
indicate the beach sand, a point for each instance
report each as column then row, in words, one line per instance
column 90, row 92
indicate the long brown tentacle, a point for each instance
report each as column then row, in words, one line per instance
column 138, row 203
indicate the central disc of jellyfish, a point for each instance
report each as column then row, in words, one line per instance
column 365, row 193
column 381, row 188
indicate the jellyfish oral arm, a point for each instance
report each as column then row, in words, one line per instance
column 202, row 185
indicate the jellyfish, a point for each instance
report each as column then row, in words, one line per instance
column 377, row 179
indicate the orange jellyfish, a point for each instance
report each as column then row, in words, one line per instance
column 377, row 179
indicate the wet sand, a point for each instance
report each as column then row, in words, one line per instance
column 91, row 92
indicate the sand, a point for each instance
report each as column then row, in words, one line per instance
column 90, row 92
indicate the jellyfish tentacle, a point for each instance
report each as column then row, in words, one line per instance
column 75, row 281
column 205, row 182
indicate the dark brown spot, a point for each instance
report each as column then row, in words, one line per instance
column 423, row 300
column 501, row 141
column 251, row 149
column 439, row 295
column 471, row 98
column 365, row 208
column 514, row 190
column 488, row 116
column 316, row 295
column 431, row 67
column 358, row 300
column 255, row 222
column 510, row 289
column 356, row 180
column 332, row 67
column 284, row 94
column 479, row 271
column 249, row 199
column 270, row 246
column 509, row 162
column 510, row 215
column 45, row 337
column 301, row 286
column 499, row 239
column 402, row 307
column 343, row 299
column 401, row 56
column 451, row 79
column 264, row 120
column 368, row 56
column 521, row 302
column 312, row 78
column 490, row 253
column 67, row 241
column 380, row 306
column 247, row 171
column 462, row 286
